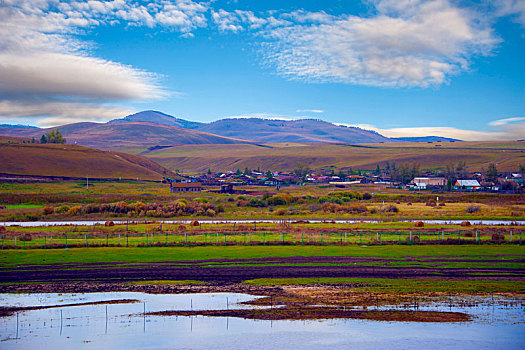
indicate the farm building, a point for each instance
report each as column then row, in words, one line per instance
column 179, row 187
column 429, row 182
column 466, row 185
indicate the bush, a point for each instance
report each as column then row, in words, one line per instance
column 367, row 196
column 390, row 208
column 356, row 208
column 48, row 210
column 431, row 203
column 210, row 212
column 280, row 199
column 473, row 209
column 74, row 210
column 280, row 211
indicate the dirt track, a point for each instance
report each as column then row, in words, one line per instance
column 226, row 272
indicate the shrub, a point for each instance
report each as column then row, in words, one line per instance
column 74, row 210
column 280, row 211
column 390, row 208
column 419, row 224
column 280, row 199
column 48, row 210
column 356, row 208
column 257, row 203
column 431, row 203
column 210, row 212
column 367, row 196
column 473, row 209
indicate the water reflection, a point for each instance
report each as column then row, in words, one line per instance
column 497, row 324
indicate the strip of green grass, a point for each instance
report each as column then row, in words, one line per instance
column 405, row 286
column 115, row 254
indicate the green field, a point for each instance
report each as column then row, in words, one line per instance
column 174, row 254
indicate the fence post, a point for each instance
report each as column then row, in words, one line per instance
column 224, row 238
column 520, row 237
column 45, row 241
column 2, row 242
column 346, row 237
column 66, row 240
column 15, row 241
column 410, row 237
column 166, row 238
column 186, row 239
column 499, row 237
column 282, row 239
column 244, row 237
column 459, row 237
column 107, row 240
column 360, row 237
column 510, row 237
column 205, row 239
column 399, row 237
column 302, row 239
column 85, row 240
column 119, row 239
column 127, row 239
column 379, row 238
column 321, row 238
column 264, row 237
column 419, row 236
column 250, row 239
column 147, row 238
column 341, row 237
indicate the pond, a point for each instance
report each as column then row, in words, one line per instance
column 497, row 324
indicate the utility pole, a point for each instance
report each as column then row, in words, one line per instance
column 87, row 182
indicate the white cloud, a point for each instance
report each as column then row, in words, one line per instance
column 513, row 8
column 497, row 132
column 58, row 113
column 407, row 43
column 309, row 111
column 505, row 121
column 44, row 61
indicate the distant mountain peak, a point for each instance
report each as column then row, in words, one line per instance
column 158, row 118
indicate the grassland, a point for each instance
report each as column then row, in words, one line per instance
column 75, row 161
column 286, row 156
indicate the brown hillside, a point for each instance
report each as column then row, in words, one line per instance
column 477, row 155
column 76, row 161
column 131, row 134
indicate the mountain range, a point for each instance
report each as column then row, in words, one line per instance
column 152, row 128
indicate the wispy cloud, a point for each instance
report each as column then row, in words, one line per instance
column 505, row 121
column 405, row 43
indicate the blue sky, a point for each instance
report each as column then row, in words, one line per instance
column 401, row 67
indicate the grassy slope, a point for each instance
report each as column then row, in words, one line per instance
column 477, row 155
column 94, row 255
column 75, row 161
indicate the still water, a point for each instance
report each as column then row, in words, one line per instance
column 497, row 325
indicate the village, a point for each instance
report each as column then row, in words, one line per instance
column 506, row 182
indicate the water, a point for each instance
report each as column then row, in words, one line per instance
column 124, row 326
column 262, row 221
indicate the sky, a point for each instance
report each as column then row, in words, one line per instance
column 400, row 67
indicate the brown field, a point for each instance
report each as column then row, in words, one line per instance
column 75, row 161
column 286, row 156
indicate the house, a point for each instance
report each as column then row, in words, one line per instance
column 227, row 188
column 423, row 183
column 466, row 185
column 180, row 187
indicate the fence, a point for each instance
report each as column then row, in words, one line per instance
column 168, row 239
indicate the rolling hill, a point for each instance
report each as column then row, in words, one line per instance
column 76, row 161
column 287, row 156
column 266, row 130
column 126, row 135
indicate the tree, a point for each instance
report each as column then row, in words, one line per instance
column 378, row 170
column 269, row 174
column 209, row 171
column 43, row 139
column 54, row 136
column 492, row 173
column 246, row 171
column 238, row 172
